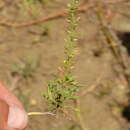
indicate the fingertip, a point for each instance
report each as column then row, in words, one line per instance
column 17, row 118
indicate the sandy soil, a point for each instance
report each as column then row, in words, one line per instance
column 42, row 46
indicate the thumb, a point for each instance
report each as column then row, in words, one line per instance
column 17, row 118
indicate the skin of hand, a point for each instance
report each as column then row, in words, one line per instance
column 4, row 110
column 12, row 114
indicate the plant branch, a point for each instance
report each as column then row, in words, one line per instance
column 53, row 16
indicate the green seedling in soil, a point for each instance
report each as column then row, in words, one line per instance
column 25, row 98
column 34, row 2
column 39, row 37
column 29, row 8
column 73, row 127
column 39, row 1
column 32, row 8
column 105, row 90
column 26, row 67
column 63, row 89
column 116, row 108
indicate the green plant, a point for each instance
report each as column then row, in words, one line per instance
column 40, row 36
column 63, row 88
column 33, row 8
column 38, row 1
column 26, row 67
column 73, row 127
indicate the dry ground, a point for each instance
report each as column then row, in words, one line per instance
column 42, row 45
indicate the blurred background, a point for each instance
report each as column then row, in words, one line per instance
column 32, row 34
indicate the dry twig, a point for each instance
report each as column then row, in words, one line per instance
column 114, row 44
column 58, row 14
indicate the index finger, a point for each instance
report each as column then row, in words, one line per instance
column 4, row 110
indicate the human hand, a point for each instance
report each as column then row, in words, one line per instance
column 12, row 113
